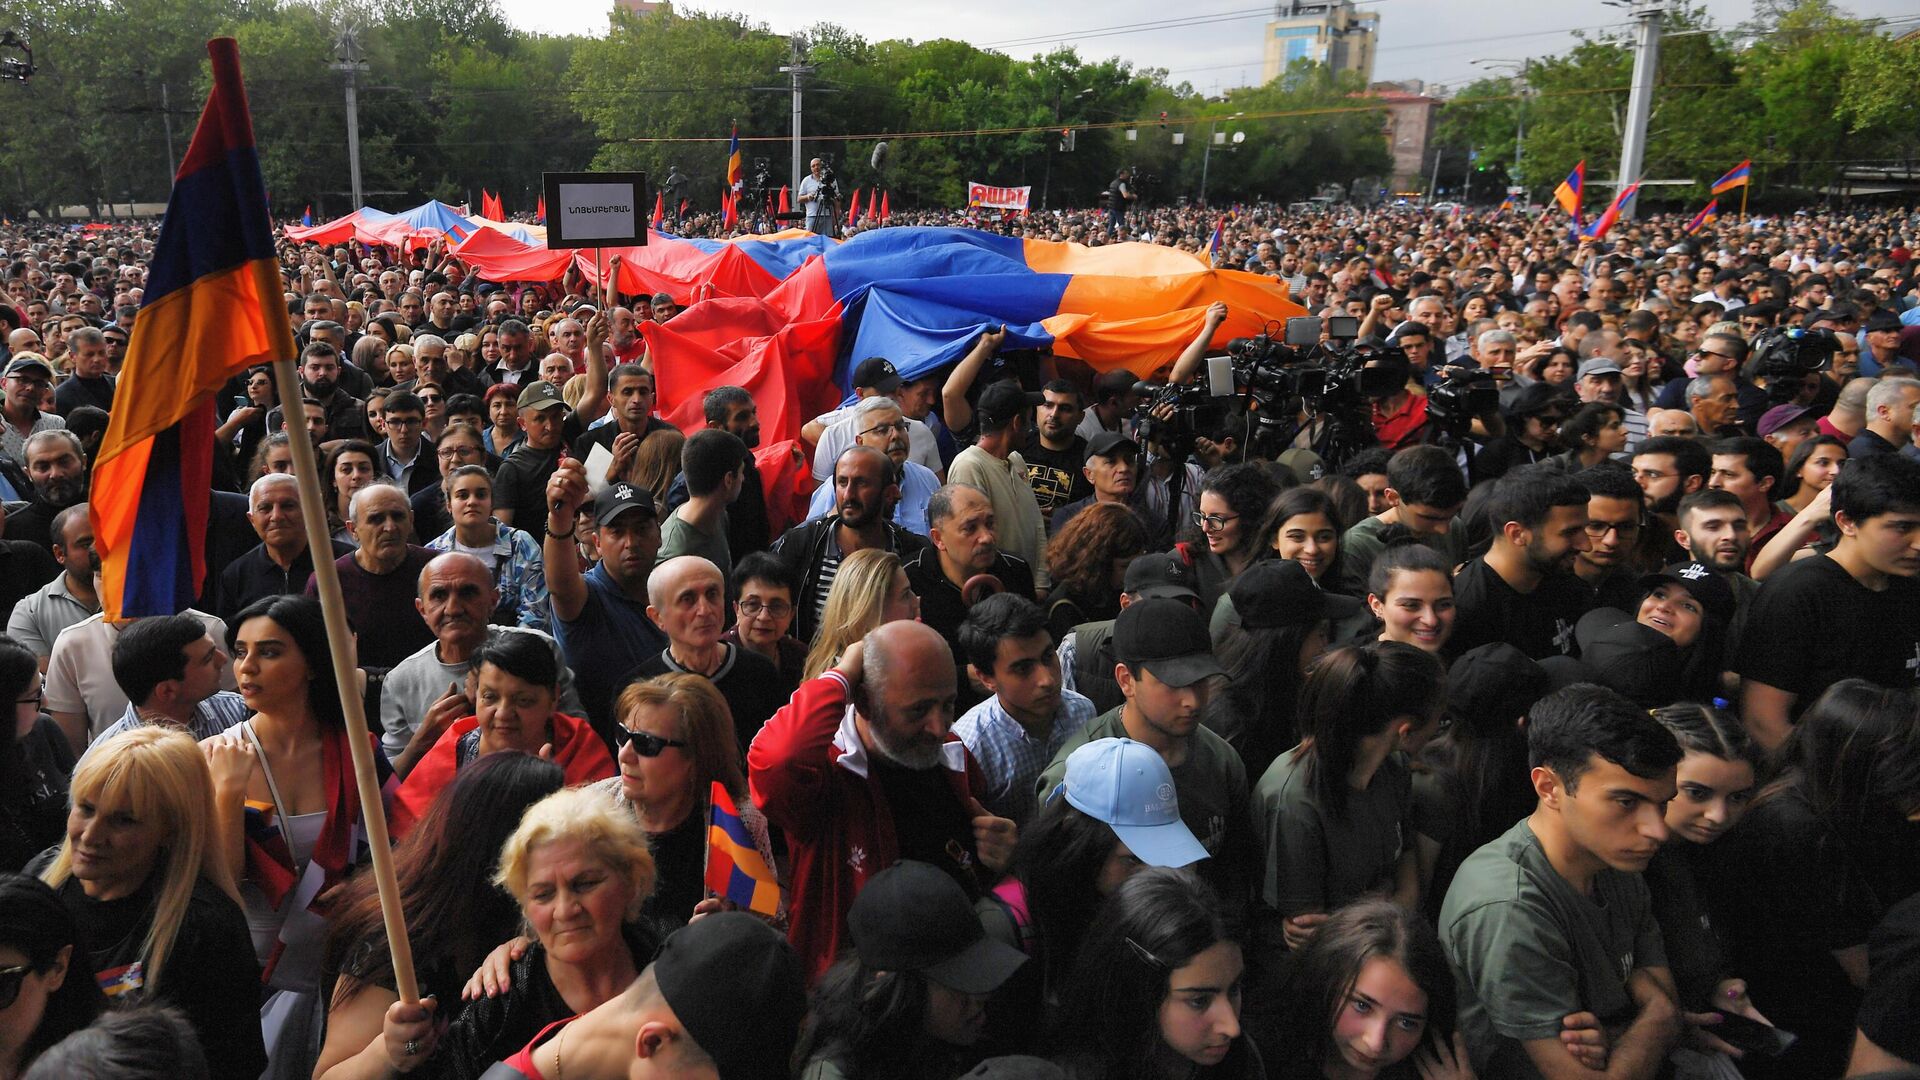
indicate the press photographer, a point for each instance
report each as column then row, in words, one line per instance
column 820, row 194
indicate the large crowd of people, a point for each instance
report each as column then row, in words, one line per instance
column 1518, row 675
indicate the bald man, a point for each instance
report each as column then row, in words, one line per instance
column 687, row 598
column 428, row 690
column 857, row 790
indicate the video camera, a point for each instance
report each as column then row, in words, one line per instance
column 1308, row 366
column 1786, row 356
column 829, row 180
column 1461, row 394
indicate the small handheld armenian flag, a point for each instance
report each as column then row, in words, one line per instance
column 735, row 869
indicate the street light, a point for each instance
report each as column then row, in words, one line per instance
column 1206, row 158
column 1519, row 74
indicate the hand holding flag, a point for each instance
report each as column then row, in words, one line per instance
column 735, row 869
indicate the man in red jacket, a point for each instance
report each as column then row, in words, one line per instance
column 860, row 771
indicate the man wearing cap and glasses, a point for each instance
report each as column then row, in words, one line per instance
column 832, row 432
column 28, row 376
column 1164, row 661
column 861, row 770
column 600, row 616
column 723, row 1000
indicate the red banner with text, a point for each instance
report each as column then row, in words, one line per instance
column 1000, row 198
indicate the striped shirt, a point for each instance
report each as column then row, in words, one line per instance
column 211, row 717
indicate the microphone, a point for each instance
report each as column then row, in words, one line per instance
column 879, row 159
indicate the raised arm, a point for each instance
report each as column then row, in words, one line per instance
column 1187, row 367
column 956, row 410
column 566, row 581
column 595, row 403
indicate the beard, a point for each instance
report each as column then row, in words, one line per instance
column 61, row 493
column 917, row 756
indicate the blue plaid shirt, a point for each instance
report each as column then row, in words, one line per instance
column 1010, row 758
column 520, row 573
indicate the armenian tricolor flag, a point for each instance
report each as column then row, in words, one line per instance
column 1708, row 215
column 306, row 219
column 735, row 178
column 1603, row 223
column 735, row 870
column 1738, row 176
column 1219, row 237
column 1506, row 204
column 1571, row 190
column 213, row 308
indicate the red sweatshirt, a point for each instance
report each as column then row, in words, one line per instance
column 807, row 771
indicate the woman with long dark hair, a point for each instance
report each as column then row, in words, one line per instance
column 1593, row 434
column 1810, row 471
column 1267, row 632
column 455, row 915
column 347, row 468
column 285, row 803
column 1824, row 850
column 1305, row 527
column 1233, row 502
column 1471, row 783
column 35, row 761
column 1410, row 593
column 1371, row 996
column 1155, row 994
column 46, row 992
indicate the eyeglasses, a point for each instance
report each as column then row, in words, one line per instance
column 885, row 429
column 1598, row 529
column 11, row 979
column 778, row 609
column 39, row 698
column 1214, row 522
column 645, row 743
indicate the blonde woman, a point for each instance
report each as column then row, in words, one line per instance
column 579, row 868
column 400, row 365
column 153, row 896
column 870, row 589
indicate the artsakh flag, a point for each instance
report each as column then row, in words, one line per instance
column 1598, row 230
column 1219, row 230
column 1738, row 176
column 1708, row 215
column 1571, row 190
column 735, row 869
column 213, row 308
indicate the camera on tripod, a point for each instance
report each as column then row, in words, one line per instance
column 1787, row 356
column 829, row 180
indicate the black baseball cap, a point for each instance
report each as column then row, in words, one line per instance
column 914, row 916
column 1702, row 581
column 27, row 363
column 1495, row 679
column 1167, row 638
column 1001, row 402
column 735, row 984
column 619, row 498
column 1110, row 443
column 1270, row 594
column 876, row 373
column 1159, row 575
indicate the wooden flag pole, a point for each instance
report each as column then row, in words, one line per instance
column 306, row 471
column 1743, row 195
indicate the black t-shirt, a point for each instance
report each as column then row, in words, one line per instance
column 1812, row 624
column 77, row 391
column 1539, row 623
column 931, row 825
column 1890, row 1014
column 1057, row 476
column 521, row 486
column 750, row 682
column 604, row 435
column 33, row 806
column 679, row 863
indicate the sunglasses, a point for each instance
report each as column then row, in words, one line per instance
column 645, row 743
column 11, row 979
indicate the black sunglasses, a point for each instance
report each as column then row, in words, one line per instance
column 11, row 979
column 645, row 743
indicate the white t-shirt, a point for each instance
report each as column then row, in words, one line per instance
column 80, row 671
column 921, row 445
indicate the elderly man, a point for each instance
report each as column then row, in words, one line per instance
column 861, row 770
column 378, row 579
column 1889, row 423
column 427, row 691
column 1714, row 402
column 28, row 376
column 1665, row 423
column 280, row 565
column 687, row 598
column 1601, row 379
column 878, row 422
column 963, row 528
column 37, row 619
column 57, row 469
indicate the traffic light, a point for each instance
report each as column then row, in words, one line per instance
column 1066, row 139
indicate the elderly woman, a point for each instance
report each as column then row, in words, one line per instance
column 513, row 686
column 579, row 868
column 144, row 879
column 513, row 555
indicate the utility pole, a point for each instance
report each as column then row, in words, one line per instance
column 166, row 119
column 1433, row 187
column 797, row 71
column 1646, row 61
column 347, row 50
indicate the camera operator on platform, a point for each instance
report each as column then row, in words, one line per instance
column 818, row 196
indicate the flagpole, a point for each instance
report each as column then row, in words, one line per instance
column 306, row 473
column 1743, row 196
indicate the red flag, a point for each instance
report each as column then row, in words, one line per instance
column 886, row 206
column 853, row 212
column 683, row 208
column 729, row 210
column 784, row 206
column 659, row 208
column 873, row 207
column 540, row 213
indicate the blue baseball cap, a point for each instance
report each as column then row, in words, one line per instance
column 1126, row 784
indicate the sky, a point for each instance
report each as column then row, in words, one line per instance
column 1216, row 44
